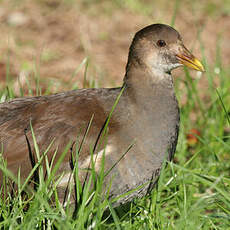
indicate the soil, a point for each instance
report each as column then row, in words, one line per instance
column 52, row 38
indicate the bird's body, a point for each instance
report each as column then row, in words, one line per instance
column 146, row 117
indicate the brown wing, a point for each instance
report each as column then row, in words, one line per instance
column 62, row 117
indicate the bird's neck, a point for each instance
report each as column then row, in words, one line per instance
column 154, row 107
column 145, row 85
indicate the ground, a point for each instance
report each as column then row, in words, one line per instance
column 52, row 38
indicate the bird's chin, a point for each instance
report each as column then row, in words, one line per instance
column 160, row 69
column 172, row 66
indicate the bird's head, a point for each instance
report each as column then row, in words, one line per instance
column 159, row 48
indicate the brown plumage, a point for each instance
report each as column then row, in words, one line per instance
column 146, row 116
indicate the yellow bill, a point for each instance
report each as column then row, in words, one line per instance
column 191, row 62
column 186, row 58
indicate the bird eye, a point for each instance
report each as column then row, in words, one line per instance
column 161, row 43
